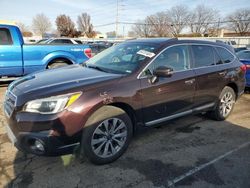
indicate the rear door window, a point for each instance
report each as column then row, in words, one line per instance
column 205, row 56
column 225, row 55
column 5, row 37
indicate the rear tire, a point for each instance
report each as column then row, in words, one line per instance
column 224, row 105
column 106, row 135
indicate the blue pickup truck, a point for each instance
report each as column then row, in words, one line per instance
column 18, row 59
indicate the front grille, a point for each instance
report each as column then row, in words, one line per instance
column 9, row 103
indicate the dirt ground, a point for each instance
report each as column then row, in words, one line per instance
column 193, row 151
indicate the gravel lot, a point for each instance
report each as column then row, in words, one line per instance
column 189, row 152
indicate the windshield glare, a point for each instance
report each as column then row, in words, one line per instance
column 123, row 58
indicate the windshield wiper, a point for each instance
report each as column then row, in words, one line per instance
column 103, row 69
column 95, row 67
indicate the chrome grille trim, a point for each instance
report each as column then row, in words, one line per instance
column 9, row 103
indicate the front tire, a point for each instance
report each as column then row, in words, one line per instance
column 224, row 105
column 107, row 135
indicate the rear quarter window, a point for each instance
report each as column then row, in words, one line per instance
column 225, row 55
column 5, row 37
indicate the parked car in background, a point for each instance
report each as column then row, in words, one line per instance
column 231, row 42
column 18, row 59
column 61, row 41
column 41, row 41
column 105, row 43
column 240, row 49
column 244, row 57
column 99, row 106
column 30, row 41
column 97, row 48
column 226, row 42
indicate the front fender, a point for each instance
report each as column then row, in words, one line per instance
column 79, row 114
column 74, row 119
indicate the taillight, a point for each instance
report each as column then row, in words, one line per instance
column 247, row 66
column 88, row 52
column 243, row 68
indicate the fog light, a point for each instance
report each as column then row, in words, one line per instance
column 39, row 146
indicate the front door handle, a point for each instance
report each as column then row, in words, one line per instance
column 223, row 73
column 189, row 82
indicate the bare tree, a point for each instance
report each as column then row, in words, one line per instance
column 202, row 19
column 65, row 26
column 240, row 21
column 142, row 28
column 24, row 29
column 179, row 16
column 160, row 24
column 41, row 24
column 22, row 26
column 85, row 26
column 156, row 25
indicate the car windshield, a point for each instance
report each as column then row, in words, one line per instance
column 123, row 58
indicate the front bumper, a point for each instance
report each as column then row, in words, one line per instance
column 42, row 143
column 43, row 134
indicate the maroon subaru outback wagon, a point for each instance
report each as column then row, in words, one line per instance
column 99, row 105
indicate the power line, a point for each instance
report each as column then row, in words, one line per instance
column 172, row 24
column 103, row 25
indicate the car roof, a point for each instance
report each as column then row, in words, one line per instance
column 230, row 48
column 202, row 42
column 166, row 40
column 162, row 41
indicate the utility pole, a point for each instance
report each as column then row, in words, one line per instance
column 123, row 31
column 117, row 18
column 218, row 28
column 119, row 7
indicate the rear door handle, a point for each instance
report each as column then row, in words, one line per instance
column 189, row 82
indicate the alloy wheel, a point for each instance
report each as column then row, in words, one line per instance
column 226, row 104
column 109, row 137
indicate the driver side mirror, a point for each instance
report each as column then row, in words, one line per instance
column 163, row 71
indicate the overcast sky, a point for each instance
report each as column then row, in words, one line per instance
column 104, row 11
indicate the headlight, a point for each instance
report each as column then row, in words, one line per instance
column 51, row 105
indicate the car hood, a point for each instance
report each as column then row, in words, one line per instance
column 60, row 79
